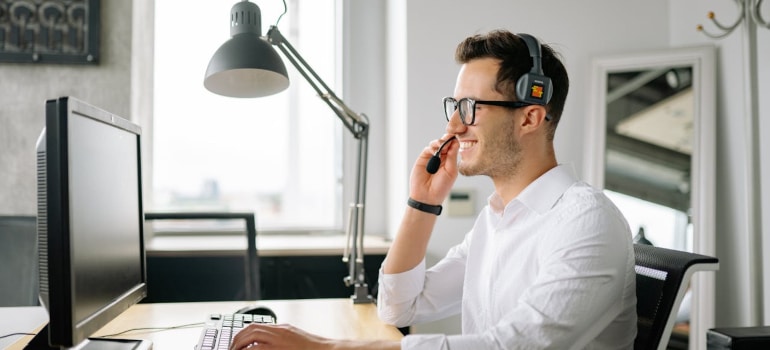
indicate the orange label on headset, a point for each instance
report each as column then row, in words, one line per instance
column 537, row 91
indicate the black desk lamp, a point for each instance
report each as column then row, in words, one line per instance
column 248, row 66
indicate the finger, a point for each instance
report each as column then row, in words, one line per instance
column 446, row 145
column 452, row 152
column 433, row 146
column 254, row 333
column 436, row 144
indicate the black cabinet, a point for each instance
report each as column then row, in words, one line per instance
column 309, row 277
column 220, row 278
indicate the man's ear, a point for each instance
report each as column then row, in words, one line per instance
column 534, row 117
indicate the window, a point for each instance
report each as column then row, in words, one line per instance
column 663, row 226
column 277, row 156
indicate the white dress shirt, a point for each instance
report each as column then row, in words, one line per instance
column 553, row 269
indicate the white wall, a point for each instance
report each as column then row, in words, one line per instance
column 363, row 71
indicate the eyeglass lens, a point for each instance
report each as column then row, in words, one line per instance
column 465, row 107
column 449, row 107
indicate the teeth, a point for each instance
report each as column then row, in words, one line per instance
column 467, row 144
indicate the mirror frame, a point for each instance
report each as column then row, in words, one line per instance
column 703, row 166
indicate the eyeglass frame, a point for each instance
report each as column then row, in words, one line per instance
column 474, row 102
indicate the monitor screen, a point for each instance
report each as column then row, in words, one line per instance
column 90, row 219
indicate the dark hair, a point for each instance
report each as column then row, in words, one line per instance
column 515, row 61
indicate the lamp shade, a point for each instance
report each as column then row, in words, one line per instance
column 246, row 65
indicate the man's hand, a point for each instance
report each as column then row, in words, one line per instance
column 282, row 336
column 433, row 188
column 285, row 337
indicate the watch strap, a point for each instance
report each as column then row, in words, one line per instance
column 433, row 209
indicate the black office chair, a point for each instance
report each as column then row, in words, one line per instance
column 18, row 261
column 251, row 285
column 662, row 278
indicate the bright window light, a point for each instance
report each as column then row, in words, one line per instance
column 277, row 156
column 663, row 226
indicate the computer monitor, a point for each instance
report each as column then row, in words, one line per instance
column 90, row 222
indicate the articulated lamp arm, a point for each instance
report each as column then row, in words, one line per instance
column 358, row 125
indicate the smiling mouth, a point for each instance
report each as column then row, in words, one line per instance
column 467, row 144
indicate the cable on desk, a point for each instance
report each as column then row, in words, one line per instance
column 13, row 334
column 156, row 329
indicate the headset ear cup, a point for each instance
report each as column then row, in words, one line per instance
column 534, row 88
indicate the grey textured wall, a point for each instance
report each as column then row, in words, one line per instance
column 24, row 88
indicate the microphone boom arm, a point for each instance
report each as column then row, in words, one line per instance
column 358, row 125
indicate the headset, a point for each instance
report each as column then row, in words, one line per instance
column 534, row 87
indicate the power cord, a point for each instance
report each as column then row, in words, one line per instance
column 15, row 334
column 285, row 9
column 154, row 329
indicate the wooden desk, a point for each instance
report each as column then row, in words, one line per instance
column 332, row 318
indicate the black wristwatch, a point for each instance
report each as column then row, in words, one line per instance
column 433, row 209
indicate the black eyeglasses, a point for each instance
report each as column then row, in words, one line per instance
column 467, row 107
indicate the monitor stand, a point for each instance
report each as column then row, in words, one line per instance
column 40, row 342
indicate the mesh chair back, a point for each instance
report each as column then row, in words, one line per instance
column 662, row 278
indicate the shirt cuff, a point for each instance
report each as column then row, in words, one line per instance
column 424, row 341
column 404, row 286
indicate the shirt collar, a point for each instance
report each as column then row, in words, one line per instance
column 542, row 194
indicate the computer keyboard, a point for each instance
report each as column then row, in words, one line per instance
column 219, row 329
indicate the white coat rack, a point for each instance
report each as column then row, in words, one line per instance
column 750, row 15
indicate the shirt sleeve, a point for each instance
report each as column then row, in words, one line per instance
column 421, row 295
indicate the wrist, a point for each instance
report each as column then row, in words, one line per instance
column 424, row 207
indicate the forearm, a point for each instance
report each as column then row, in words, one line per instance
column 411, row 242
column 366, row 344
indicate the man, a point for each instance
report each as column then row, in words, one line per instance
column 549, row 263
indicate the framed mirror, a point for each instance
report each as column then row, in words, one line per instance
column 651, row 146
